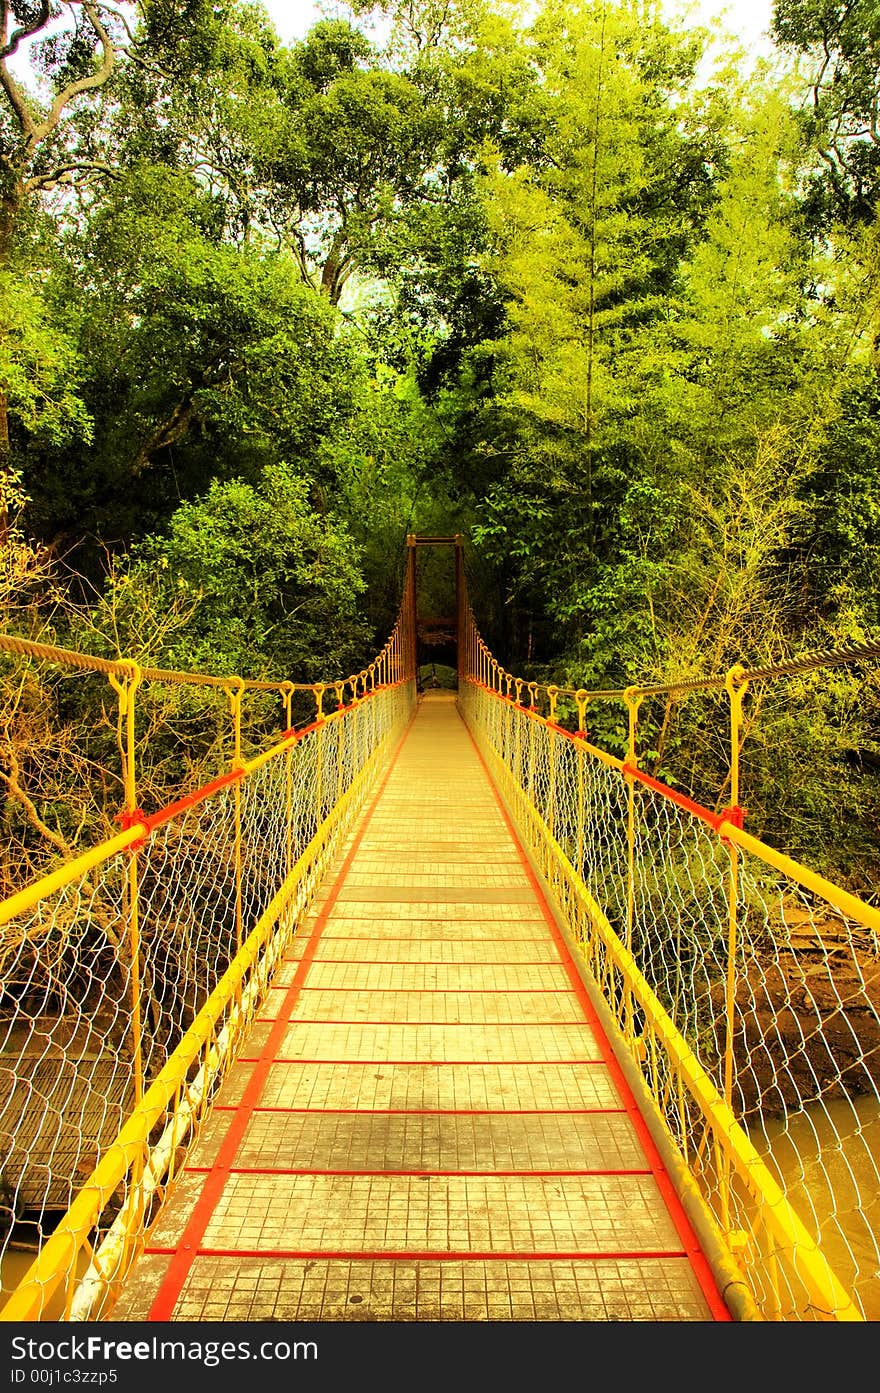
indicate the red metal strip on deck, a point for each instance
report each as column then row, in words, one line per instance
column 540, row 1174
column 434, row 1255
column 188, row 1245
column 426, row 1063
column 403, row 938
column 440, row 991
column 429, row 962
column 460, row 1025
column 438, row 1112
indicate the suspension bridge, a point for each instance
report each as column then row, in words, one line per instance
column 430, row 1008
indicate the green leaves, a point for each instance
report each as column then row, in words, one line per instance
column 579, row 243
column 39, row 368
column 276, row 584
column 201, row 341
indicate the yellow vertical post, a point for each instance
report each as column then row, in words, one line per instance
column 633, row 701
column 234, row 692
column 355, row 726
column 460, row 618
column 530, row 785
column 318, row 692
column 518, row 747
column 125, row 690
column 365, row 710
column 287, row 690
column 508, row 721
column 552, row 752
column 736, row 686
column 581, row 698
column 411, row 593
column 340, row 737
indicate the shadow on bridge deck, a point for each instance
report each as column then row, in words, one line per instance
column 426, row 1123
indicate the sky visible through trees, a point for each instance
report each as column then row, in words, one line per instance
column 749, row 20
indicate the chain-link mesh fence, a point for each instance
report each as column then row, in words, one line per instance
column 746, row 990
column 128, row 975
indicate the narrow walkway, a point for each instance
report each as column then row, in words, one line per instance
column 427, row 1123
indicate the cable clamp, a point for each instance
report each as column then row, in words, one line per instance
column 132, row 817
column 734, row 816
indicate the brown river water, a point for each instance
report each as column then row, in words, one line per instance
column 828, row 1160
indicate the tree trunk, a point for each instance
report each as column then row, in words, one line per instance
column 10, row 205
column 5, row 464
column 168, row 433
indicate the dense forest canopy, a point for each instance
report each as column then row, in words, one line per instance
column 533, row 274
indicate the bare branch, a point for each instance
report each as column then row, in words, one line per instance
column 64, row 174
column 132, row 49
column 26, row 31
column 82, row 84
column 12, row 782
column 18, row 103
column 168, row 433
column 117, row 14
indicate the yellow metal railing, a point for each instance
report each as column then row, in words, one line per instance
column 130, row 971
column 742, row 988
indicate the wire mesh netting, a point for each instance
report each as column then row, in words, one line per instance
column 718, row 966
column 125, row 989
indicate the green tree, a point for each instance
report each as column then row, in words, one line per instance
column 743, row 327
column 588, row 234
column 838, row 43
column 277, row 584
column 75, row 49
column 200, row 359
column 308, row 148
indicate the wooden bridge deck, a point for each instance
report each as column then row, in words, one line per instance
column 426, row 1123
